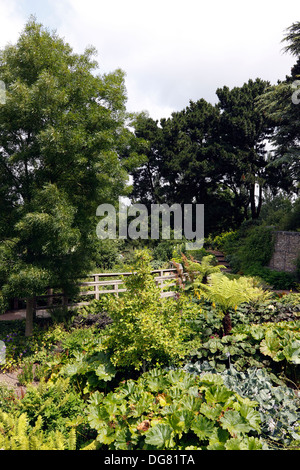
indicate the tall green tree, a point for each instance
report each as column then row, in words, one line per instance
column 62, row 137
column 245, row 132
column 282, row 104
column 185, row 165
column 211, row 155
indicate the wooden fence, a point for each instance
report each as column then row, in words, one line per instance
column 103, row 283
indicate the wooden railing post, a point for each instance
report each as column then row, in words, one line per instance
column 49, row 299
column 96, row 279
column 116, row 289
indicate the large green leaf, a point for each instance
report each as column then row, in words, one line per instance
column 160, row 436
column 251, row 416
column 292, row 352
column 202, row 427
column 270, row 346
column 248, row 443
column 218, row 438
column 211, row 412
column 218, row 394
column 105, row 371
column 234, row 444
column 234, row 423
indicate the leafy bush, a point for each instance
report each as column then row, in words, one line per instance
column 274, row 346
column 89, row 371
column 251, row 246
column 175, row 410
column 280, row 341
column 146, row 328
column 201, row 271
column 54, row 403
column 218, row 242
column 8, row 398
column 234, row 349
column 17, row 434
column 278, row 406
column 291, row 220
column 275, row 279
column 227, row 294
column 249, row 251
column 276, row 309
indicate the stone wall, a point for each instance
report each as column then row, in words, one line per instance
column 286, row 251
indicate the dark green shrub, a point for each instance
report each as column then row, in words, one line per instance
column 291, row 221
column 275, row 279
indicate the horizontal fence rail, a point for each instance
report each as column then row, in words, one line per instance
column 103, row 283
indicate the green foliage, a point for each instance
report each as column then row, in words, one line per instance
column 174, row 410
column 275, row 210
column 285, row 308
column 26, row 375
column 61, row 314
column 108, row 253
column 275, row 279
column 204, row 146
column 249, row 251
column 277, row 103
column 234, row 349
column 280, row 341
column 146, row 328
column 278, row 406
column 8, row 399
column 291, row 221
column 56, row 403
column 274, row 346
column 74, row 153
column 227, row 294
column 251, row 246
column 89, row 371
column 18, row 347
column 164, row 409
column 201, row 271
column 17, row 434
column 218, row 242
column 164, row 250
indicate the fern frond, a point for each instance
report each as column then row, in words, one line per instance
column 72, row 440
column 94, row 445
column 228, row 293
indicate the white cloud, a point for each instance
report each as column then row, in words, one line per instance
column 11, row 22
column 172, row 51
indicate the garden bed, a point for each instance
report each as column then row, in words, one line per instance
column 140, row 372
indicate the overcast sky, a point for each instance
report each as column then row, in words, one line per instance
column 172, row 51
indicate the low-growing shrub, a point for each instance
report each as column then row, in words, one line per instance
column 17, row 434
column 174, row 410
column 278, row 405
column 146, row 329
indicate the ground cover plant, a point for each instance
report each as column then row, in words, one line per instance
column 198, row 389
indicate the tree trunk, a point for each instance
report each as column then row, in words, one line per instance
column 252, row 201
column 227, row 327
column 255, row 211
column 29, row 316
